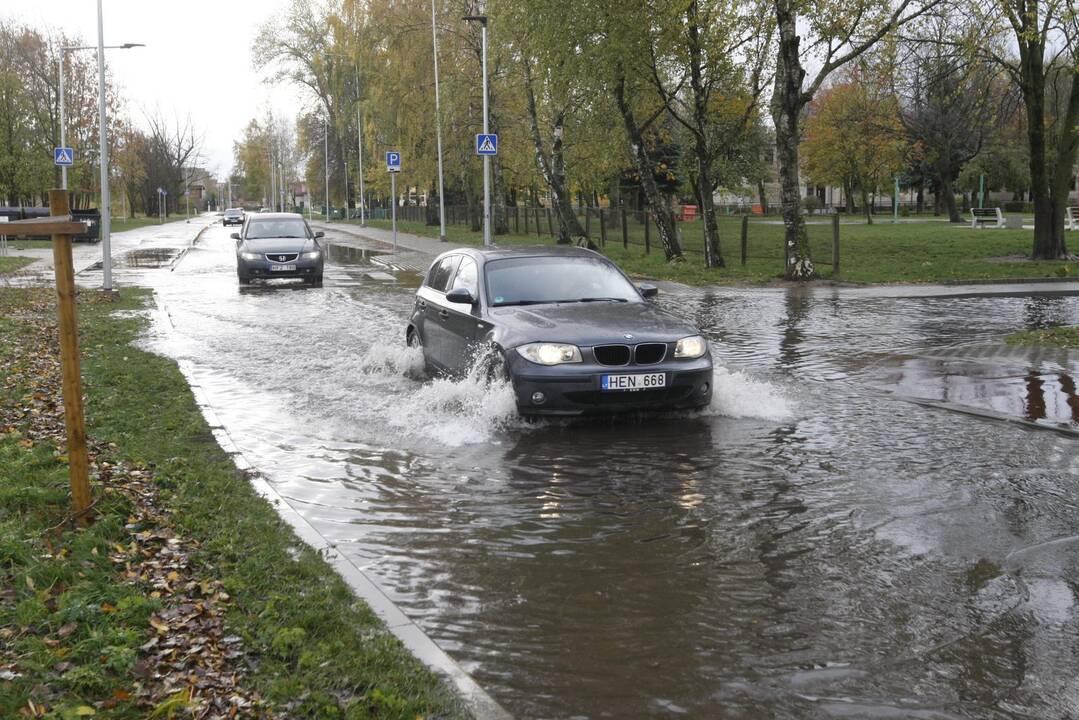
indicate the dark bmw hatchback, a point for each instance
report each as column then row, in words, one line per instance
column 569, row 330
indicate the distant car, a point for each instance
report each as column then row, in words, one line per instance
column 233, row 216
column 278, row 245
column 564, row 325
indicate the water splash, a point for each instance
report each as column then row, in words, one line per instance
column 737, row 395
column 388, row 359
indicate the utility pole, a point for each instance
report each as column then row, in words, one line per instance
column 103, row 146
column 482, row 20
column 359, row 143
column 438, row 132
column 326, row 158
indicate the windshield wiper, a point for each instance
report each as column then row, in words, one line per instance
column 524, row 302
column 598, row 299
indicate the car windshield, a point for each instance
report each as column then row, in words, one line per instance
column 232, row 212
column 287, row 228
column 537, row 280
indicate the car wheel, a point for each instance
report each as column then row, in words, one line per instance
column 493, row 366
column 245, row 279
column 316, row 280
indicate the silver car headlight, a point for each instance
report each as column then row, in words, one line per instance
column 313, row 255
column 691, row 347
column 550, row 353
column 250, row 256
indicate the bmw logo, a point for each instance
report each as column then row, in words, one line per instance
column 627, row 336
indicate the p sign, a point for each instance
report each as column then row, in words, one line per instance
column 393, row 161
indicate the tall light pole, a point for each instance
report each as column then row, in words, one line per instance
column 438, row 132
column 482, row 20
column 326, row 158
column 359, row 143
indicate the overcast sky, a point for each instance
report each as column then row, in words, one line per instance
column 197, row 59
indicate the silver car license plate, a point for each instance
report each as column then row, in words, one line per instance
column 282, row 268
column 646, row 381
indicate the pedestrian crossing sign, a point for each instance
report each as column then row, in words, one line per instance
column 486, row 144
column 63, row 156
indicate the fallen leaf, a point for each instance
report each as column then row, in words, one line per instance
column 66, row 629
column 85, row 711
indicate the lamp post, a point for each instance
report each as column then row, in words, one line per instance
column 482, row 20
column 438, row 133
column 326, row 157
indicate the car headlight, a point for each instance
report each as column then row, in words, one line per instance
column 550, row 353
column 250, row 256
column 691, row 347
column 313, row 255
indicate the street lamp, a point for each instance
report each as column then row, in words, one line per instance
column 326, row 157
column 438, row 133
column 482, row 20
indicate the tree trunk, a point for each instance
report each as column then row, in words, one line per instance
column 553, row 168
column 787, row 104
column 672, row 249
column 763, row 197
column 947, row 196
column 713, row 256
column 867, row 206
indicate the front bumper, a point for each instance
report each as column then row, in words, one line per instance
column 576, row 388
column 261, row 268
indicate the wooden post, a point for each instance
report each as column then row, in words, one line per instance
column 602, row 229
column 625, row 230
column 647, row 232
column 517, row 220
column 77, row 462
column 835, row 244
column 526, row 221
column 745, row 237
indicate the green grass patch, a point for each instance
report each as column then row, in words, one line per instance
column 1063, row 337
column 906, row 252
column 9, row 264
column 319, row 652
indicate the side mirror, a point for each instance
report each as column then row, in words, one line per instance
column 648, row 291
column 235, row 236
column 460, row 295
column 319, row 233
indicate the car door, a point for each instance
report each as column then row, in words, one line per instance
column 432, row 313
column 460, row 318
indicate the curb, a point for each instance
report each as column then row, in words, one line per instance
column 482, row 705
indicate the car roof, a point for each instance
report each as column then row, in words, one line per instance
column 486, row 254
column 276, row 216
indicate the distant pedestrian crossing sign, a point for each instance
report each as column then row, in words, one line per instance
column 486, row 144
column 393, row 161
column 63, row 156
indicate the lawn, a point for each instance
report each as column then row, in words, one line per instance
column 9, row 265
column 187, row 596
column 906, row 252
column 1064, row 337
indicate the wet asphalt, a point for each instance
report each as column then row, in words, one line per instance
column 876, row 517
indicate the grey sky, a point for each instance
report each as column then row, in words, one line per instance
column 197, row 61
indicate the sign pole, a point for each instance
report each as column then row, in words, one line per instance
column 438, row 134
column 486, row 158
column 78, row 464
column 63, row 131
column 393, row 207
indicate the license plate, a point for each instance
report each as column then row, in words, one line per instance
column 649, row 381
column 282, row 268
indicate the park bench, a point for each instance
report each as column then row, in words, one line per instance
column 1071, row 218
column 986, row 215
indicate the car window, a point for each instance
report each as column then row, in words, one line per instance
column 439, row 276
column 467, row 277
column 286, row 228
column 520, row 281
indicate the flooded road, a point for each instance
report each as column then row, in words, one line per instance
column 876, row 518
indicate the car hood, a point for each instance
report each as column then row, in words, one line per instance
column 278, row 245
column 587, row 324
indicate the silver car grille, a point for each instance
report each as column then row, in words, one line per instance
column 281, row 257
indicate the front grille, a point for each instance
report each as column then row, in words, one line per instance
column 281, row 257
column 649, row 353
column 612, row 354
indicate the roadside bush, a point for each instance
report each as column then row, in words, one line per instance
column 811, row 204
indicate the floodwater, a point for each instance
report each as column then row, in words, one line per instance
column 877, row 518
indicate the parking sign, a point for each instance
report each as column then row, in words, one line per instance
column 393, row 161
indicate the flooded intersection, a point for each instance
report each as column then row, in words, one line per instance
column 876, row 517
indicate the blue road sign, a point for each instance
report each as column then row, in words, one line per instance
column 486, row 144
column 63, row 156
column 393, row 161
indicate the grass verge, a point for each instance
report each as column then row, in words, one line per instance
column 1064, row 337
column 906, row 252
column 187, row 596
column 9, row 265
